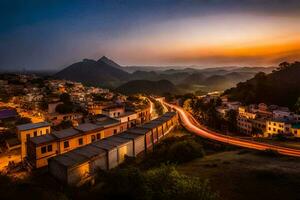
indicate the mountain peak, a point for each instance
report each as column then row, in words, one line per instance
column 107, row 61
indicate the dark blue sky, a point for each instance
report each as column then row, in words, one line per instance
column 50, row 34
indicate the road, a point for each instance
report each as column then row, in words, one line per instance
column 192, row 125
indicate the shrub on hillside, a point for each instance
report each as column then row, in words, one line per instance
column 184, row 151
column 162, row 183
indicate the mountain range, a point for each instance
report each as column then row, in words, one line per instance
column 107, row 73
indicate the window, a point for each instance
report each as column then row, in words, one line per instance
column 80, row 141
column 44, row 149
column 35, row 133
column 93, row 138
column 98, row 136
column 66, row 144
column 49, row 148
column 115, row 131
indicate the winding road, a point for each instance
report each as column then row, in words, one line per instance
column 192, row 125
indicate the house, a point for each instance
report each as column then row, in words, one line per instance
column 295, row 130
column 8, row 115
column 80, row 165
column 114, row 111
column 27, row 131
column 277, row 126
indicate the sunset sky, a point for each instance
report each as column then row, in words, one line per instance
column 207, row 33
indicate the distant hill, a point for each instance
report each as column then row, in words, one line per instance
column 107, row 73
column 104, row 73
column 281, row 87
column 147, row 87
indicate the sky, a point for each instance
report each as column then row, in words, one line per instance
column 52, row 34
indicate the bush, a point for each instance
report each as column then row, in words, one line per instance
column 162, row 183
column 184, row 151
column 64, row 108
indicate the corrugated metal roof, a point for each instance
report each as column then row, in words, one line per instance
column 7, row 113
column 30, row 126
column 138, row 130
column 107, row 122
column 87, row 127
column 103, row 145
column 130, row 135
column 90, row 151
column 65, row 133
column 43, row 139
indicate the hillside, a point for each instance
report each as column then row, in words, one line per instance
column 104, row 73
column 147, row 87
column 281, row 87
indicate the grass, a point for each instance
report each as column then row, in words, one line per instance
column 247, row 175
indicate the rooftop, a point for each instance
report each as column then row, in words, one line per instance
column 65, row 133
column 107, row 122
column 129, row 135
column 13, row 142
column 296, row 126
column 30, row 126
column 70, row 159
column 103, row 145
column 43, row 139
column 87, row 127
column 138, row 130
column 7, row 113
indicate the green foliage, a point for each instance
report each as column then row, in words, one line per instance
column 64, row 108
column 44, row 105
column 162, row 183
column 281, row 87
column 174, row 150
column 158, row 107
column 65, row 97
column 64, row 125
column 297, row 106
column 231, row 116
column 11, row 189
column 99, row 97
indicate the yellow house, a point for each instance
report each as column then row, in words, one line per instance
column 43, row 147
column 274, row 127
column 26, row 131
column 295, row 130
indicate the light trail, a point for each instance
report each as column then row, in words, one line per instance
column 191, row 124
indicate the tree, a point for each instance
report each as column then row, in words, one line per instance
column 283, row 65
column 187, row 105
column 297, row 106
column 65, row 97
column 64, row 108
column 231, row 120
